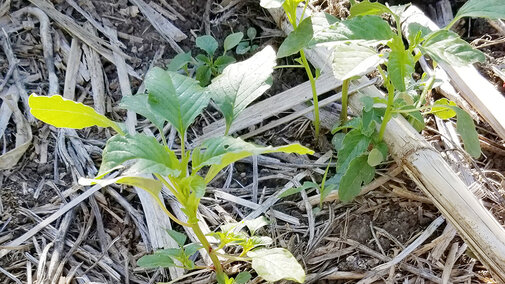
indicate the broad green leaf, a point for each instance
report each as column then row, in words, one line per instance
column 207, row 43
column 493, row 9
column 179, row 238
column 369, row 8
column 271, row 4
column 241, row 83
column 192, row 248
column 231, row 227
column 306, row 185
column 365, row 30
column 414, row 29
column 155, row 261
column 415, row 117
column 383, row 148
column 177, row 98
column 179, row 61
column 60, row 112
column 251, row 33
column 255, row 224
column 368, row 103
column 358, row 174
column 223, row 61
column 400, row 64
column 147, row 154
column 369, row 121
column 276, row 264
column 337, row 140
column 172, row 252
column 202, row 58
column 140, row 104
column 297, row 39
column 441, row 110
column 466, row 128
column 260, row 241
column 353, row 60
column 320, row 23
column 375, row 157
column 203, row 75
column 242, row 48
column 446, row 46
column 354, row 145
column 222, row 151
column 232, row 40
column 242, row 277
column 350, row 124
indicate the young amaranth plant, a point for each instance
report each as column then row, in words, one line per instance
column 152, row 165
column 295, row 44
column 207, row 67
column 354, row 43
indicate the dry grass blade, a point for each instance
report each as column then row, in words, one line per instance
column 276, row 214
column 167, row 30
column 68, row 24
column 23, row 135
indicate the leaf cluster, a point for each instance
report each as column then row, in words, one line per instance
column 365, row 42
column 208, row 65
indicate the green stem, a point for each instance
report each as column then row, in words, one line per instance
column 345, row 96
column 234, row 257
column 227, row 129
column 213, row 256
column 314, row 92
column 414, row 109
column 422, row 98
column 163, row 139
column 183, row 147
column 167, row 184
column 426, row 89
column 389, row 108
column 398, row 26
column 288, row 66
column 304, row 8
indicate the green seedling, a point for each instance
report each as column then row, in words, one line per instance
column 152, row 166
column 207, row 65
column 247, row 45
column 355, row 45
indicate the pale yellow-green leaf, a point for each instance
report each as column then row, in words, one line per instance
column 441, row 110
column 221, row 151
column 64, row 113
column 276, row 264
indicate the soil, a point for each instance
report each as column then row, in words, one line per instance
column 31, row 187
